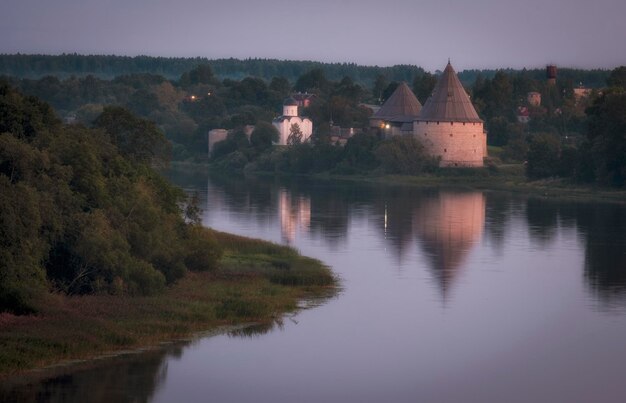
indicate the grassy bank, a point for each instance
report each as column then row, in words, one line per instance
column 508, row 178
column 257, row 282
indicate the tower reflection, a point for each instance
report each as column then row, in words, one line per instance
column 448, row 226
column 294, row 213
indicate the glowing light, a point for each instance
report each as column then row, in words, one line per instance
column 387, row 126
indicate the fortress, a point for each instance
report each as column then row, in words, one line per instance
column 447, row 125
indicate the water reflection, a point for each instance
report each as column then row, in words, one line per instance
column 489, row 248
column 130, row 378
column 449, row 225
column 446, row 225
column 295, row 215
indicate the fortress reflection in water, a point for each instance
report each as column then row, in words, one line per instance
column 447, row 227
column 445, row 224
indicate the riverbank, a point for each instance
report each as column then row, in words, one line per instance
column 257, row 282
column 505, row 178
column 511, row 180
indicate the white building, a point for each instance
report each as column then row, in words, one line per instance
column 290, row 121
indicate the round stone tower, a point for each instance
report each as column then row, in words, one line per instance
column 449, row 127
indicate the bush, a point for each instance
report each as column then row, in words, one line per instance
column 202, row 252
column 543, row 156
column 403, row 155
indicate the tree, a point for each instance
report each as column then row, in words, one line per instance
column 263, row 136
column 295, row 135
column 312, row 81
column 607, row 137
column 389, row 90
column 280, row 85
column 403, row 155
column 380, row 84
column 423, row 86
column 202, row 74
column 543, row 156
column 136, row 138
column 617, row 77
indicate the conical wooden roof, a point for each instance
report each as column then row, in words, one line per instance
column 449, row 101
column 402, row 106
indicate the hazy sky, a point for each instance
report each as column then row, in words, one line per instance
column 473, row 33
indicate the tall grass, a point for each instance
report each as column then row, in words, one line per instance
column 257, row 282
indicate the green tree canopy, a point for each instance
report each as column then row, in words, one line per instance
column 263, row 136
column 136, row 138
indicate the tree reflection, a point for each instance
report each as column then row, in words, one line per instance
column 604, row 228
column 434, row 219
column 601, row 228
column 129, row 378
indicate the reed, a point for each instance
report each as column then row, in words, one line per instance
column 257, row 282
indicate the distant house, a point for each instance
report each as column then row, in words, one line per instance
column 534, row 98
column 523, row 114
column 290, row 120
column 581, row 92
column 303, row 100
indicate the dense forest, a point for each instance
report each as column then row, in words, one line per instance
column 66, row 65
column 83, row 211
column 109, row 66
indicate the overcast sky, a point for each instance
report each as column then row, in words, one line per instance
column 473, row 33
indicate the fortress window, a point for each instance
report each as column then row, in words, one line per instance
column 474, row 135
column 451, row 123
column 445, row 150
column 437, row 122
column 425, row 134
column 451, row 135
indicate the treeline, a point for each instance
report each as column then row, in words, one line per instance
column 109, row 66
column 82, row 211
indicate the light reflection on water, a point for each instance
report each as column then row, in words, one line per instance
column 448, row 296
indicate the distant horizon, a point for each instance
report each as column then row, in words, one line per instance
column 482, row 34
column 539, row 67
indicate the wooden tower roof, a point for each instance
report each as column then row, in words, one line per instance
column 402, row 106
column 449, row 101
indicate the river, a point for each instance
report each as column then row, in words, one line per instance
column 448, row 295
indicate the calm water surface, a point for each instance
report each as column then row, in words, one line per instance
column 448, row 296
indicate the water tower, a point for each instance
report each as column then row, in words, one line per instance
column 551, row 74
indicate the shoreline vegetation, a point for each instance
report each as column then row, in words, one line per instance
column 256, row 283
column 100, row 253
column 507, row 178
